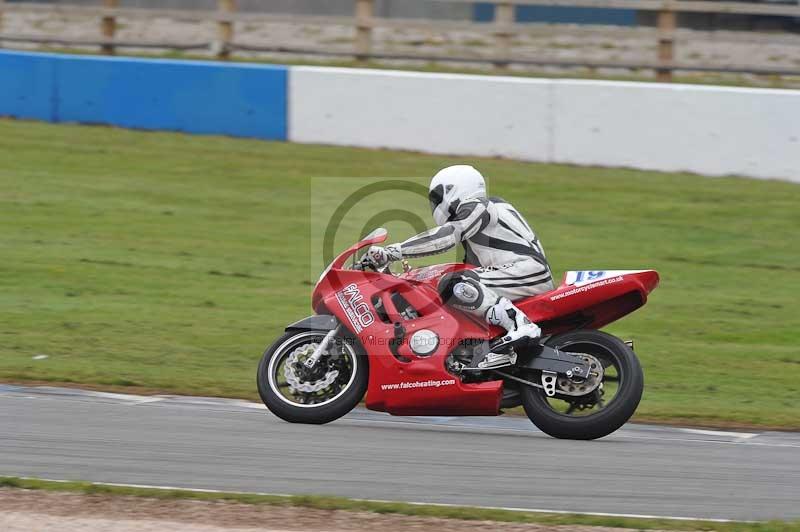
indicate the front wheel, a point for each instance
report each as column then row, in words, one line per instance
column 322, row 394
column 602, row 411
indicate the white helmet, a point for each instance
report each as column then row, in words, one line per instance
column 452, row 186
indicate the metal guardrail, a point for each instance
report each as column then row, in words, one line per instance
column 503, row 29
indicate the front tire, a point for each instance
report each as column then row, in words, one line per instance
column 592, row 421
column 284, row 396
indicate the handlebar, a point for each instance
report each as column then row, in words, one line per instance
column 361, row 266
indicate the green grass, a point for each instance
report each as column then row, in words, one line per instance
column 159, row 261
column 420, row 510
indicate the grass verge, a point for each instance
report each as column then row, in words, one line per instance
column 161, row 261
column 420, row 510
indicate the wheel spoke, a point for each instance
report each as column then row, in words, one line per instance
column 572, row 408
column 611, row 378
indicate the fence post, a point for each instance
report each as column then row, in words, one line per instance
column 667, row 22
column 108, row 27
column 2, row 5
column 365, row 10
column 503, row 19
column 225, row 29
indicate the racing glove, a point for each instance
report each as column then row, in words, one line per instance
column 379, row 257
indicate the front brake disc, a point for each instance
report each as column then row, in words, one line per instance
column 295, row 382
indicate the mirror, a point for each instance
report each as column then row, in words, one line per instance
column 376, row 233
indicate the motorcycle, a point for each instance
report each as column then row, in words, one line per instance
column 390, row 336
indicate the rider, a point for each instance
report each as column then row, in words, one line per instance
column 510, row 261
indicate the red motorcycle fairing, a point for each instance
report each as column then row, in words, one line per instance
column 405, row 383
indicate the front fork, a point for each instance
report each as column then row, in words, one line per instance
column 312, row 360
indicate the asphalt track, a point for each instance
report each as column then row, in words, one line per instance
column 500, row 462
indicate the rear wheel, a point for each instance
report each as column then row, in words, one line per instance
column 322, row 394
column 606, row 407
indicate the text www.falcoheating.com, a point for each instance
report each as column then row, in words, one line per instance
column 417, row 384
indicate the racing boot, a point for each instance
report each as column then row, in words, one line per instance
column 519, row 330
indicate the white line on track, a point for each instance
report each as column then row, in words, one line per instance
column 623, row 434
column 740, row 435
column 721, row 442
column 442, row 505
column 737, row 438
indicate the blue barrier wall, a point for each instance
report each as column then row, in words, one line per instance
column 190, row 96
column 26, row 86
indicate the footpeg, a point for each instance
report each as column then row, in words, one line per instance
column 497, row 360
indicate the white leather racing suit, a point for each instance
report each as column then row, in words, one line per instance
column 496, row 238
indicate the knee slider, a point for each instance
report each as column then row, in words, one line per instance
column 468, row 294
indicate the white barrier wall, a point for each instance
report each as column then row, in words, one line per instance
column 702, row 129
column 441, row 113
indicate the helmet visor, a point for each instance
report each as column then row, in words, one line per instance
column 436, row 196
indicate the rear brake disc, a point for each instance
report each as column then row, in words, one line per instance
column 568, row 385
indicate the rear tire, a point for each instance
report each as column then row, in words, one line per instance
column 604, row 421
column 293, row 410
